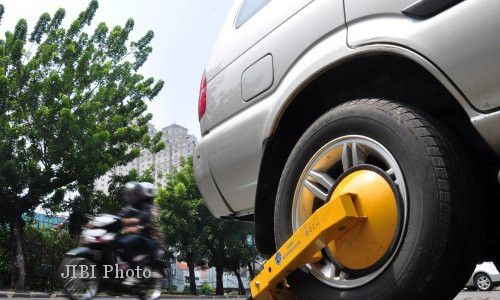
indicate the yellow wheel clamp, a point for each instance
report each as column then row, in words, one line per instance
column 326, row 224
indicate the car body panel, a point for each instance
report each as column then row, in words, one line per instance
column 487, row 125
column 250, row 33
column 235, row 131
column 260, row 36
column 206, row 184
column 260, row 120
column 467, row 51
column 227, row 64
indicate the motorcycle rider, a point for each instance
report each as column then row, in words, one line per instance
column 139, row 221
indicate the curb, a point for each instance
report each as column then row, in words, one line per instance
column 39, row 295
column 34, row 295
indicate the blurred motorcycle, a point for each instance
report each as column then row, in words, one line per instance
column 97, row 265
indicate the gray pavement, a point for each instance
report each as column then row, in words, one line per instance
column 462, row 296
column 115, row 298
column 494, row 295
column 59, row 296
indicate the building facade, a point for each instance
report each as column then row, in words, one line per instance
column 178, row 278
column 178, row 143
column 43, row 220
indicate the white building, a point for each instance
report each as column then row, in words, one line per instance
column 178, row 143
column 229, row 280
column 179, row 278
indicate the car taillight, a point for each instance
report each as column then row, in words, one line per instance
column 202, row 102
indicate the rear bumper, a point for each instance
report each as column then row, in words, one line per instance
column 208, row 188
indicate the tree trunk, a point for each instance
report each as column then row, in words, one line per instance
column 192, row 275
column 219, row 271
column 219, row 265
column 18, row 270
column 241, row 287
column 251, row 269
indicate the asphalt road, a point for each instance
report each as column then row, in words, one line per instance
column 495, row 295
column 462, row 296
column 130, row 298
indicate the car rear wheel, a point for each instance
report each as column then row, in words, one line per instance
column 483, row 282
column 417, row 235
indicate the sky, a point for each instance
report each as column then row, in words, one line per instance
column 185, row 31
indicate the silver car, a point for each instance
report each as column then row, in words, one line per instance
column 484, row 278
column 306, row 100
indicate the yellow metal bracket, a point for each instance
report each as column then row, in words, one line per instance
column 328, row 223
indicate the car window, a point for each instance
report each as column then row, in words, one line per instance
column 248, row 9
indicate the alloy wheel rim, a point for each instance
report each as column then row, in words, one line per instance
column 316, row 184
column 483, row 282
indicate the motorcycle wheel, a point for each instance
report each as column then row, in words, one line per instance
column 77, row 287
column 153, row 291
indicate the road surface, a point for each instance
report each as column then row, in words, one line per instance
column 495, row 295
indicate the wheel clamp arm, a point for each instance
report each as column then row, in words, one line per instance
column 326, row 224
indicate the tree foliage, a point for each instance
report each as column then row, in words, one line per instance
column 72, row 106
column 181, row 207
column 45, row 247
column 216, row 234
column 240, row 252
column 196, row 236
column 229, row 246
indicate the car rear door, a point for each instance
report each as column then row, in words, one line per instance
column 247, row 25
column 249, row 59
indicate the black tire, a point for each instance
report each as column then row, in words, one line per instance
column 91, row 285
column 153, row 292
column 433, row 260
column 482, row 282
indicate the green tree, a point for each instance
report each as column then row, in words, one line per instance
column 215, row 234
column 72, row 105
column 235, row 244
column 45, row 247
column 240, row 252
column 180, row 208
column 205, row 289
column 250, row 255
column 197, row 236
column 229, row 247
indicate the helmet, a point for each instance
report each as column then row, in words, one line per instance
column 149, row 189
column 137, row 192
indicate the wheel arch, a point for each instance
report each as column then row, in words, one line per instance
column 388, row 72
column 476, row 274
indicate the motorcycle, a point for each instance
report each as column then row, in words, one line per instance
column 97, row 265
